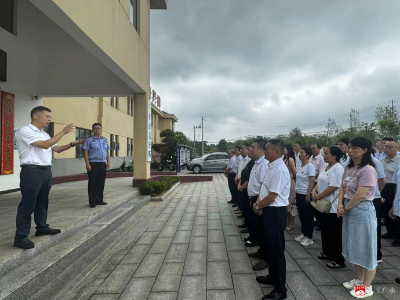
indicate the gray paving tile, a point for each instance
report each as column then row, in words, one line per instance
column 150, row 265
column 198, row 243
column 200, row 221
column 214, row 224
column 220, row 294
column 163, row 296
column 225, row 212
column 188, row 216
column 234, row 243
column 391, row 274
column 177, row 253
column 228, row 220
column 182, row 237
column 216, row 236
column 168, row 231
column 138, row 289
column 317, row 274
column 171, row 269
column 219, row 275
column 173, row 221
column 162, row 218
column 216, row 252
column 230, row 230
column 386, row 291
column 296, row 250
column 201, row 213
column 246, row 287
column 169, row 283
column 240, row 262
column 185, row 225
column 147, row 238
column 136, row 254
column 393, row 260
column 214, row 216
column 107, row 266
column 193, row 288
column 105, row 297
column 303, row 287
column 156, row 226
column 196, row 263
column 161, row 245
column 118, row 279
column 199, row 230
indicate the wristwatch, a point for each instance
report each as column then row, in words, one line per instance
column 257, row 207
column 71, row 144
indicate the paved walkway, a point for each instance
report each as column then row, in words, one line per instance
column 193, row 250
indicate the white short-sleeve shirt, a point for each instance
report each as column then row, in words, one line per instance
column 256, row 176
column 381, row 174
column 396, row 203
column 303, row 178
column 29, row 154
column 276, row 180
column 332, row 177
column 233, row 164
column 242, row 164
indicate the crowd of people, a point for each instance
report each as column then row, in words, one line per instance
column 346, row 191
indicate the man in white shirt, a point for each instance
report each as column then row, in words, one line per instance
column 272, row 205
column 296, row 149
column 317, row 159
column 35, row 152
column 242, row 164
column 230, row 172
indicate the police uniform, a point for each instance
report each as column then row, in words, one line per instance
column 35, row 181
column 233, row 165
column 97, row 150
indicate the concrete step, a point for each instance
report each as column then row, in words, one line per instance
column 59, row 255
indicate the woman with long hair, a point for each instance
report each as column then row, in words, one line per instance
column 290, row 160
column 356, row 206
column 305, row 179
column 327, row 188
column 343, row 145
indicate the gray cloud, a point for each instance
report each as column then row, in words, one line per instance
column 273, row 62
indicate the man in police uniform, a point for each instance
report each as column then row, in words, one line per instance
column 96, row 152
column 35, row 149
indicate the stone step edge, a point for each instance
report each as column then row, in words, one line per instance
column 29, row 284
column 21, row 256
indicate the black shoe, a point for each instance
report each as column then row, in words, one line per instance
column 242, row 226
column 24, row 244
column 265, row 279
column 318, row 228
column 92, row 205
column 396, row 243
column 47, row 231
column 387, row 236
column 101, row 203
column 230, row 202
column 255, row 255
column 238, row 213
column 250, row 244
column 261, row 265
column 276, row 295
column 247, row 238
column 397, row 280
column 244, row 231
column 235, row 205
column 240, row 217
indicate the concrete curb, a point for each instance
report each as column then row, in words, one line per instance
column 166, row 194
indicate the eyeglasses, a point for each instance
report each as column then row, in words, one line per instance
column 387, row 147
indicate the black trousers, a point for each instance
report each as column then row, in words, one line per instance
column 378, row 206
column 97, row 178
column 331, row 235
column 306, row 215
column 388, row 193
column 233, row 187
column 398, row 227
column 245, row 205
column 35, row 186
column 274, row 219
column 256, row 231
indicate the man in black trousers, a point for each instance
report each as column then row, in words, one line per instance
column 272, row 206
column 230, row 172
column 97, row 158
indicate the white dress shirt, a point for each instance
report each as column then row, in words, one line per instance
column 243, row 163
column 233, row 164
column 318, row 162
column 276, row 180
column 29, row 154
column 333, row 177
column 256, row 176
column 345, row 161
column 298, row 161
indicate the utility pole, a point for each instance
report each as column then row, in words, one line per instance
column 393, row 106
column 202, row 137
column 194, row 138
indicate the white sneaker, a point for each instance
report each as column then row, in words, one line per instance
column 300, row 238
column 360, row 294
column 352, row 284
column 306, row 242
column 379, row 261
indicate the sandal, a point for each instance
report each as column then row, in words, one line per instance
column 323, row 256
column 334, row 265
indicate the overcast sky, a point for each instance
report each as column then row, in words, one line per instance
column 265, row 62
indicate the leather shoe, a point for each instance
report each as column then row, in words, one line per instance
column 250, row 244
column 387, row 236
column 101, row 203
column 231, row 201
column 276, row 295
column 265, row 279
column 242, row 226
column 244, row 231
column 240, row 217
column 47, row 231
column 247, row 238
column 318, row 228
column 396, row 243
column 261, row 265
column 255, row 255
column 398, row 280
column 92, row 205
column 238, row 212
column 235, row 205
column 25, row 243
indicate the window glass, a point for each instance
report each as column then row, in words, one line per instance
column 7, row 15
column 212, row 157
column 133, row 13
column 222, row 156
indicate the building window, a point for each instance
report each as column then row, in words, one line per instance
column 131, row 107
column 128, row 105
column 81, row 134
column 49, row 129
column 112, row 101
column 112, row 145
column 116, row 145
column 133, row 13
column 152, row 120
column 7, row 14
column 117, row 102
column 131, row 147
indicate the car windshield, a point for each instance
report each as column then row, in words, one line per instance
column 204, row 156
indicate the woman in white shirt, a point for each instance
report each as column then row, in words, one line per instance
column 305, row 179
column 328, row 184
column 343, row 145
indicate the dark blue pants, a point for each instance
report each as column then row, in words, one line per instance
column 97, row 179
column 306, row 215
column 388, row 193
column 233, row 187
column 274, row 219
column 378, row 209
column 35, row 186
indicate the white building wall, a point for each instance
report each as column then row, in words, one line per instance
column 21, row 75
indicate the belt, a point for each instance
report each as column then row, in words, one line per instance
column 253, row 197
column 36, row 167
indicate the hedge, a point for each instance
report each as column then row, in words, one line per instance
column 157, row 187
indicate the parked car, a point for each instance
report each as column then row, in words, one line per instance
column 216, row 161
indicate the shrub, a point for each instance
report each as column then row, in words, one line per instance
column 146, row 188
column 159, row 186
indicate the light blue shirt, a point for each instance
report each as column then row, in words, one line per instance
column 233, row 164
column 396, row 203
column 97, row 149
column 381, row 174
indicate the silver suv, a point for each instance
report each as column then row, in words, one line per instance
column 216, row 161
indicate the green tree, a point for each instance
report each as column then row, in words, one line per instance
column 296, row 135
column 389, row 128
column 183, row 139
column 222, row 145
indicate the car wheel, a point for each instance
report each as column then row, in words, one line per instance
column 196, row 169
